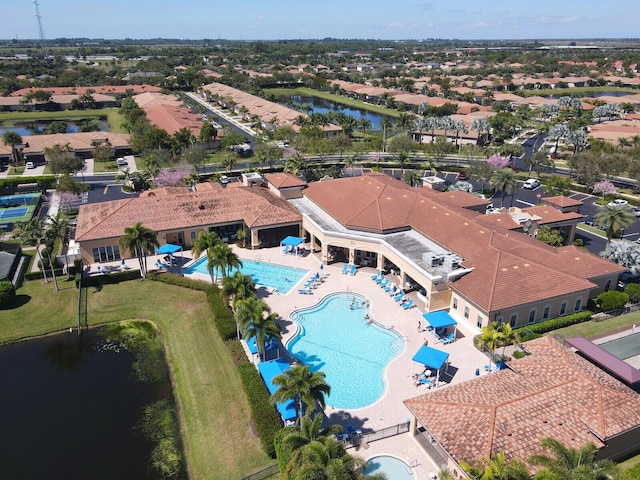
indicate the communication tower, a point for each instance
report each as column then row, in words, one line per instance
column 42, row 39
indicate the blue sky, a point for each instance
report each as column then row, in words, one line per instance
column 292, row 19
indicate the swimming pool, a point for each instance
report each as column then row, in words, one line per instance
column 280, row 277
column 393, row 467
column 352, row 352
column 624, row 347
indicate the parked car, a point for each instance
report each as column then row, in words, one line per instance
column 590, row 221
column 618, row 202
column 30, row 165
column 122, row 162
column 531, row 183
column 636, row 211
column 462, row 176
column 224, row 179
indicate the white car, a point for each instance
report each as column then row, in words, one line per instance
column 30, row 165
column 531, row 183
column 618, row 202
column 122, row 162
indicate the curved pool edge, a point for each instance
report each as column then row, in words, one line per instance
column 414, row 474
column 391, row 329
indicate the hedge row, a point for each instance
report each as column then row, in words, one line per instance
column 43, row 182
column 225, row 323
column 536, row 330
column 37, row 275
column 178, row 280
column 267, row 419
column 107, row 279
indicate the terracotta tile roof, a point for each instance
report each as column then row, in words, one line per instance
column 80, row 141
column 550, row 214
column 104, row 89
column 284, row 180
column 510, row 268
column 562, row 201
column 555, row 393
column 172, row 118
column 170, row 210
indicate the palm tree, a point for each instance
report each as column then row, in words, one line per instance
column 302, row 386
column 614, row 218
column 504, row 180
column 412, row 177
column 571, row 463
column 238, row 286
column 405, row 120
column 364, row 124
column 490, row 338
column 58, row 227
column 310, row 430
column 140, row 241
column 295, row 164
column 203, row 241
column 250, row 316
column 11, row 138
column 326, row 459
column 508, row 336
column 222, row 257
column 497, row 467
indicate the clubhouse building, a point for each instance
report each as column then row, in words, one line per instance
column 441, row 245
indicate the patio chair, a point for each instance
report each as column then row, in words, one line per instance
column 345, row 268
column 305, row 291
column 377, row 276
column 408, row 305
column 389, row 287
column 395, row 290
column 422, row 380
column 384, row 283
column 353, row 432
column 399, row 297
column 353, row 270
column 449, row 338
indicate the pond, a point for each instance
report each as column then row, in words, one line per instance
column 320, row 105
column 71, row 410
column 37, row 128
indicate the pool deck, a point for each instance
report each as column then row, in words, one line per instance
column 464, row 358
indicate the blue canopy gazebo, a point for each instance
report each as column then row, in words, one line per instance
column 270, row 344
column 440, row 319
column 169, row 249
column 271, row 369
column 290, row 243
column 431, row 358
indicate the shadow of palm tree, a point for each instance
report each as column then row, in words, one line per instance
column 66, row 354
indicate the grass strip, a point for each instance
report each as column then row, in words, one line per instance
column 214, row 412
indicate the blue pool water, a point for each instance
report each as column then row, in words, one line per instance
column 280, row 277
column 393, row 467
column 353, row 353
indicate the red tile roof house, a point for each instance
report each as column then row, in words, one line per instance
column 552, row 392
column 178, row 215
column 443, row 248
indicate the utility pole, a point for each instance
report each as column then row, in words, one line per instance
column 42, row 39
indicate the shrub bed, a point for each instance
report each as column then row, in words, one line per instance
column 7, row 294
column 265, row 415
column 225, row 323
column 178, row 280
column 536, row 330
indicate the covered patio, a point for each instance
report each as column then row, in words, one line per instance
column 432, row 359
column 291, row 245
column 438, row 324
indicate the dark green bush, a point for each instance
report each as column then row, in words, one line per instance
column 265, row 415
column 536, row 330
column 225, row 323
column 43, row 182
column 110, row 278
column 38, row 275
column 178, row 280
column 633, row 290
column 612, row 300
column 519, row 354
column 283, row 454
column 7, row 294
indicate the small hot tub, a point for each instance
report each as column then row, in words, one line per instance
column 393, row 467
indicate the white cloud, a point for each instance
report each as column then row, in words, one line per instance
column 569, row 19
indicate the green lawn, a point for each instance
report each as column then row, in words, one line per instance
column 309, row 92
column 214, row 412
column 592, row 328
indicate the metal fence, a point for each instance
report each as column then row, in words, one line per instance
column 270, row 471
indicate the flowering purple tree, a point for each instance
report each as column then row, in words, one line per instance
column 496, row 161
column 67, row 198
column 605, row 187
column 171, row 178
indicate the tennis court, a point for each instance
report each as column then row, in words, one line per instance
column 9, row 201
column 13, row 213
column 624, row 347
